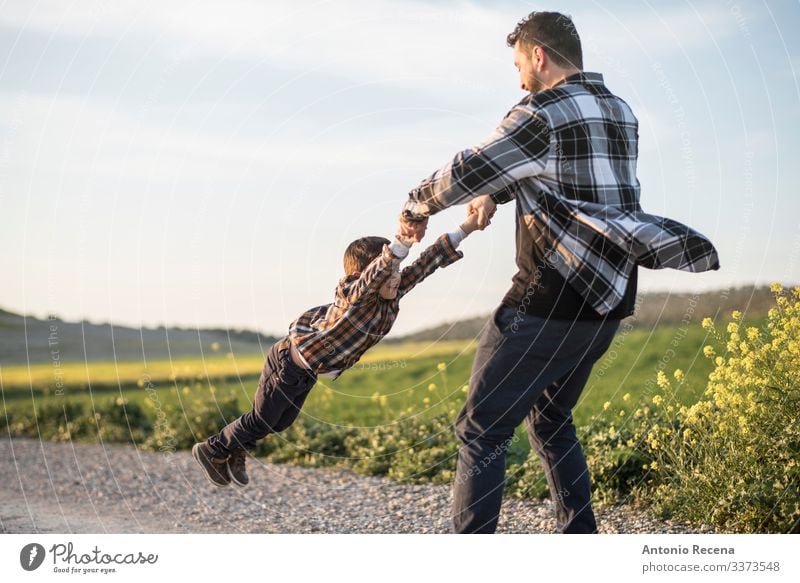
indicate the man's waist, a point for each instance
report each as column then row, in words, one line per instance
column 550, row 295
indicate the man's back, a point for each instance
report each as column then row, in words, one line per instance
column 593, row 142
column 584, row 140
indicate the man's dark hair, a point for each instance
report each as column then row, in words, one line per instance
column 554, row 32
column 361, row 252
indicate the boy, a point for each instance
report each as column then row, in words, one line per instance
column 328, row 339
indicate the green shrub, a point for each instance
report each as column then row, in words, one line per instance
column 732, row 459
column 120, row 420
column 182, row 426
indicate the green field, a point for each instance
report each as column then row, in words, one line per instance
column 392, row 382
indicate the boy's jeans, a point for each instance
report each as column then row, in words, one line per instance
column 282, row 390
column 527, row 369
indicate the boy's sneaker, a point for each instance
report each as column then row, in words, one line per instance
column 236, row 468
column 213, row 467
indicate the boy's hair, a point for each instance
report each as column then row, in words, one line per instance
column 554, row 32
column 361, row 252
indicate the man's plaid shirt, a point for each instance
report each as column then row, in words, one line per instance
column 334, row 336
column 568, row 156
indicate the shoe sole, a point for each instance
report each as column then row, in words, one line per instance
column 195, row 455
column 233, row 479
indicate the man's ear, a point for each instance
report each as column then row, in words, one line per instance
column 538, row 57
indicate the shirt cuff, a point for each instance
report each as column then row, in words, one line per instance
column 418, row 210
column 456, row 236
column 398, row 249
column 503, row 196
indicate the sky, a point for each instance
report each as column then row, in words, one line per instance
column 206, row 163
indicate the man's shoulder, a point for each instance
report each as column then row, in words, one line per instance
column 568, row 102
column 550, row 105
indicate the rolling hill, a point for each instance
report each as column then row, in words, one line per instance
column 26, row 339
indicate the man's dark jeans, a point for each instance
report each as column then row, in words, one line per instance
column 282, row 390
column 528, row 369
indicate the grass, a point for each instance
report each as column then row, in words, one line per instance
column 83, row 375
column 390, row 383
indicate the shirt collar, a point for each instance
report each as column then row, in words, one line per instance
column 582, row 77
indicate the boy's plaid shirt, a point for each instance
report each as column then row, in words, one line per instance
column 334, row 336
column 568, row 156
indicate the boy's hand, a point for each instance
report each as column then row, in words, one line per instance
column 412, row 230
column 406, row 240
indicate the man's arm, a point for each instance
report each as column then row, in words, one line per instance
column 505, row 195
column 517, row 149
column 377, row 272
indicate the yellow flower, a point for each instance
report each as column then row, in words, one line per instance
column 654, row 466
column 708, row 350
column 776, row 288
column 426, row 401
column 733, row 327
column 661, row 380
column 707, row 323
column 736, row 315
column 657, row 400
column 383, row 400
column 465, row 389
column 432, row 387
column 626, row 397
column 678, row 374
column 441, row 366
column 606, row 405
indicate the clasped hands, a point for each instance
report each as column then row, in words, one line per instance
column 480, row 211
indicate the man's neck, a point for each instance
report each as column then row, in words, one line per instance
column 560, row 75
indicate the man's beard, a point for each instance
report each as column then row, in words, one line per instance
column 536, row 85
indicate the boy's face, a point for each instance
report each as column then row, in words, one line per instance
column 388, row 290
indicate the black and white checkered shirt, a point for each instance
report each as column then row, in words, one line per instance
column 568, row 156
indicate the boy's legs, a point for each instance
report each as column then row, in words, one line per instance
column 282, row 390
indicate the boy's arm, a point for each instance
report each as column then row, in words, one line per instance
column 441, row 253
column 377, row 272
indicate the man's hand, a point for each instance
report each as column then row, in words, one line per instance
column 484, row 207
column 412, row 230
column 471, row 224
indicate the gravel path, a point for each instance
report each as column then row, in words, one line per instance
column 95, row 488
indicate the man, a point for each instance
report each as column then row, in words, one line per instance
column 566, row 154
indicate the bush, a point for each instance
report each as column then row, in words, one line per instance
column 309, row 444
column 182, row 427
column 426, row 451
column 731, row 459
column 121, row 421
